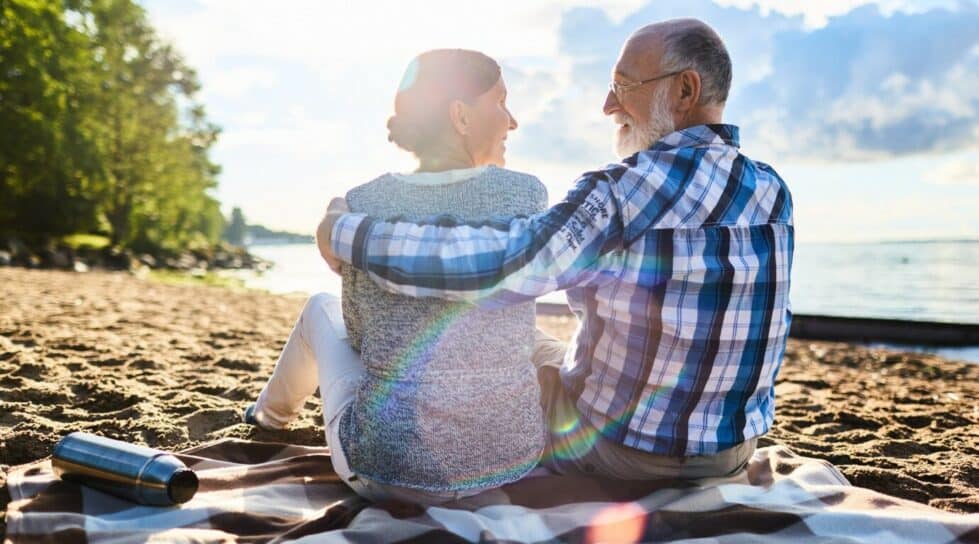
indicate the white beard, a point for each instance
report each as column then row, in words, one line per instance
column 639, row 138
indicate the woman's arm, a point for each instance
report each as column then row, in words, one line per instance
column 336, row 208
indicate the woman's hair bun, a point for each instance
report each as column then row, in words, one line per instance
column 401, row 133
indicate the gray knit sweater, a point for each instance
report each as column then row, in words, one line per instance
column 450, row 401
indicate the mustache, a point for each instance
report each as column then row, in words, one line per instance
column 621, row 118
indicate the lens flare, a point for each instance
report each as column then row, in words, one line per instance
column 618, row 523
column 411, row 75
column 411, row 361
column 574, row 437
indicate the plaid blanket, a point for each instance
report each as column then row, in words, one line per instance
column 259, row 492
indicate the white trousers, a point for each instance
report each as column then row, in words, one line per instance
column 317, row 353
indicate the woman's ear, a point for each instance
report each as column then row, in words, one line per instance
column 459, row 117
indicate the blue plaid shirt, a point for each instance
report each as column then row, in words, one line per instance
column 676, row 262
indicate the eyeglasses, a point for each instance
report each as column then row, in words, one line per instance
column 619, row 88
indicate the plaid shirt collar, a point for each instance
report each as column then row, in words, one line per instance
column 640, row 177
column 698, row 136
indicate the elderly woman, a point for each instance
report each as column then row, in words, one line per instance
column 425, row 400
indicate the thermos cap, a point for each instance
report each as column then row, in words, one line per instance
column 182, row 486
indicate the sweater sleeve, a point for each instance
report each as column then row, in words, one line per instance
column 353, row 318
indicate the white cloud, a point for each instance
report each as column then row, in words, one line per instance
column 252, row 118
column 322, row 34
column 885, row 85
column 867, row 85
column 303, row 90
column 236, row 82
column 818, row 14
column 960, row 172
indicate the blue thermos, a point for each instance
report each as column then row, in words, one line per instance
column 137, row 473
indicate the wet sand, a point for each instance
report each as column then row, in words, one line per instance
column 173, row 366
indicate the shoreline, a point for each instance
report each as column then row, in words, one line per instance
column 953, row 341
column 172, row 366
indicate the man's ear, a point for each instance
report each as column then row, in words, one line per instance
column 689, row 83
column 459, row 117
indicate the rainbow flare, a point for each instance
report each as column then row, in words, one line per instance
column 409, row 360
column 569, row 439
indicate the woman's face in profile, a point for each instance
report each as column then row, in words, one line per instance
column 491, row 121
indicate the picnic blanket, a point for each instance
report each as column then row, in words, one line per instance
column 261, row 492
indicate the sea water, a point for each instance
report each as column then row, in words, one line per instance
column 922, row 281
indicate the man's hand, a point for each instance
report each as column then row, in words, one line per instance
column 337, row 207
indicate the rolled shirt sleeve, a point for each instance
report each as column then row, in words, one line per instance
column 342, row 236
column 496, row 262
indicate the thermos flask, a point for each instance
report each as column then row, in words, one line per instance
column 136, row 473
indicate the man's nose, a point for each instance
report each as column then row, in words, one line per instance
column 611, row 103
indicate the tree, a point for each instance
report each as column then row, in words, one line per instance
column 159, row 172
column 102, row 130
column 47, row 160
column 235, row 233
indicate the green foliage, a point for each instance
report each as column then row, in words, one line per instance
column 85, row 241
column 213, row 279
column 102, row 132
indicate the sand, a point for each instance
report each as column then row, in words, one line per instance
column 173, row 366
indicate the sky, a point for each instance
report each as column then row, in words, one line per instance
column 868, row 109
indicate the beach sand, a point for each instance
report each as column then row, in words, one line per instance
column 173, row 366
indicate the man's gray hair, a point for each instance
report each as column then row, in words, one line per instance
column 697, row 47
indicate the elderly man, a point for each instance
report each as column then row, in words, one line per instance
column 676, row 261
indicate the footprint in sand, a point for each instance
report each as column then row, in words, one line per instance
column 29, row 370
column 142, row 364
column 105, row 397
column 203, row 422
column 237, row 364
